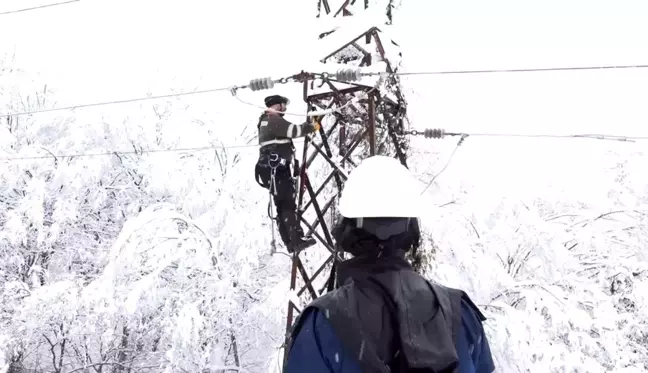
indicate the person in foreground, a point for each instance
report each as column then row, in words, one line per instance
column 385, row 317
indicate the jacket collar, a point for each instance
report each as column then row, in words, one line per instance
column 365, row 266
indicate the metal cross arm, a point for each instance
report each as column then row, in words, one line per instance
column 310, row 280
column 329, row 240
column 304, row 274
column 335, row 171
column 328, row 205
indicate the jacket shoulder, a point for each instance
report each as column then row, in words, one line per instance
column 318, row 307
column 473, row 348
column 466, row 302
column 317, row 348
column 339, row 309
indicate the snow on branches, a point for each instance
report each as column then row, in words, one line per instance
column 150, row 262
column 562, row 278
column 131, row 261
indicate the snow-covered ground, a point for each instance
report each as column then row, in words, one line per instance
column 164, row 257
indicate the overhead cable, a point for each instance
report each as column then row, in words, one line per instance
column 126, row 152
column 254, row 85
column 547, row 69
column 39, row 7
column 343, row 75
column 438, row 133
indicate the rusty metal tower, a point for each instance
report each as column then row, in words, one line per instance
column 368, row 119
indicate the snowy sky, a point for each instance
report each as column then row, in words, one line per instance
column 100, row 50
column 508, row 34
column 124, row 48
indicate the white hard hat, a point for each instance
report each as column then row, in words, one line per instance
column 380, row 187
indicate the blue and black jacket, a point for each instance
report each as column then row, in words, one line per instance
column 387, row 318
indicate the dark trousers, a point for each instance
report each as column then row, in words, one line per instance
column 283, row 191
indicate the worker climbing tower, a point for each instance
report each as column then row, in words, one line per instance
column 367, row 118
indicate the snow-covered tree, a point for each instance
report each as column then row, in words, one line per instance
column 121, row 252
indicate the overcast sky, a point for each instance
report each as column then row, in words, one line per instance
column 512, row 34
column 97, row 49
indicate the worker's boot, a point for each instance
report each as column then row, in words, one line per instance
column 297, row 240
column 300, row 243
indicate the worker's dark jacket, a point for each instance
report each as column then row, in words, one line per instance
column 385, row 314
column 276, row 134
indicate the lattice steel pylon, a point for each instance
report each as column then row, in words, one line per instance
column 368, row 119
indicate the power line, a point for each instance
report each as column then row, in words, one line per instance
column 461, row 140
column 577, row 68
column 585, row 136
column 115, row 102
column 435, row 133
column 440, row 133
column 267, row 83
column 126, row 152
column 39, row 7
column 235, row 146
column 254, row 85
column 171, row 95
column 313, row 113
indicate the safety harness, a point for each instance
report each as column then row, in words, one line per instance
column 273, row 162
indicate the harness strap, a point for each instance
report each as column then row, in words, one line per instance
column 275, row 141
column 257, row 177
column 273, row 181
column 274, row 161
